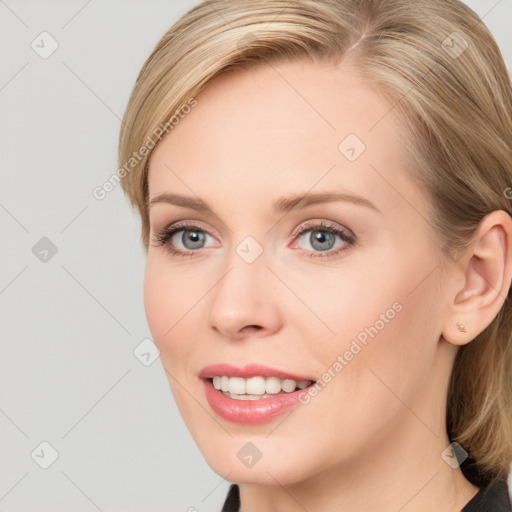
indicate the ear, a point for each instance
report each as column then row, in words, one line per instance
column 487, row 272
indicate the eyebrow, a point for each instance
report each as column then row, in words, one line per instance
column 281, row 205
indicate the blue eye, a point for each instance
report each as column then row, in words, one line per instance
column 192, row 238
column 322, row 239
column 195, row 238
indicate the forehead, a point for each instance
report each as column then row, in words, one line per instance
column 286, row 127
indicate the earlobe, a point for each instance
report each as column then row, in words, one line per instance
column 457, row 333
column 487, row 269
column 461, row 327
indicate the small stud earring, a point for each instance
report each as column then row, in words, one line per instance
column 461, row 327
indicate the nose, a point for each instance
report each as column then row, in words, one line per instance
column 245, row 301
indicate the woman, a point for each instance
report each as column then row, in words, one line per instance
column 324, row 188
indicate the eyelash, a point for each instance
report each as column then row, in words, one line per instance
column 162, row 238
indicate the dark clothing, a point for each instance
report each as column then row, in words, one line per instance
column 232, row 503
column 492, row 498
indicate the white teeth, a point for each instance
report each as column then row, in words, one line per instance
column 255, row 386
column 237, row 385
column 245, row 389
column 288, row 385
column 272, row 385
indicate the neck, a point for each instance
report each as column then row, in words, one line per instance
column 404, row 474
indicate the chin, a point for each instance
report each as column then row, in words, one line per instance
column 262, row 473
column 255, row 459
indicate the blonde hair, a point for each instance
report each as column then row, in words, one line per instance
column 444, row 76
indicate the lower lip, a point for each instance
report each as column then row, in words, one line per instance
column 250, row 411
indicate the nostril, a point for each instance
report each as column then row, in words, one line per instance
column 253, row 327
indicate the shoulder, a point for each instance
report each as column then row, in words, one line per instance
column 494, row 496
column 232, row 503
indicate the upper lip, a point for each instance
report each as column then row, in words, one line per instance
column 249, row 370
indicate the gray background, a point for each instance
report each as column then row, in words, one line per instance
column 71, row 321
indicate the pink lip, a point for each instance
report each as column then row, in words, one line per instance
column 249, row 411
column 250, row 370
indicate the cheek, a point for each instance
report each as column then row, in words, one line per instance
column 385, row 337
column 168, row 301
column 158, row 302
column 386, row 341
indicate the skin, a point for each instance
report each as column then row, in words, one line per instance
column 373, row 436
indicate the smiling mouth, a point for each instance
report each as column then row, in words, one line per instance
column 256, row 388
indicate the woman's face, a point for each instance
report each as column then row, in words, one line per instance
column 345, row 291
